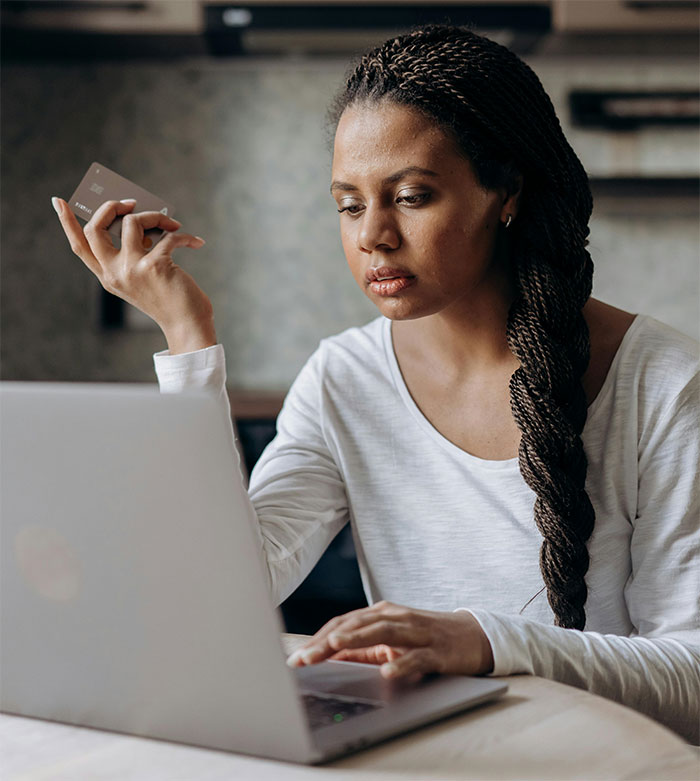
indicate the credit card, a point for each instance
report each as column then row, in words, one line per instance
column 100, row 184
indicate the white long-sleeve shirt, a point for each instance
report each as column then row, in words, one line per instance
column 440, row 529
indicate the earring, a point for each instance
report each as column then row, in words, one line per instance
column 509, row 219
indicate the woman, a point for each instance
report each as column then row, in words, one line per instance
column 516, row 459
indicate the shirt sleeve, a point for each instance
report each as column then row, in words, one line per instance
column 296, row 491
column 296, row 486
column 656, row 670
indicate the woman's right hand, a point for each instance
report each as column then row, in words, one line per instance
column 149, row 280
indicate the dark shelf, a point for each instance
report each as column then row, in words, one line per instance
column 633, row 109
column 646, row 187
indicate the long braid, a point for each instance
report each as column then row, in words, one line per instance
column 497, row 110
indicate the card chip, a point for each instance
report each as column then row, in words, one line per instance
column 95, row 188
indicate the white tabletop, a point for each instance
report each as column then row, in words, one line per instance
column 539, row 730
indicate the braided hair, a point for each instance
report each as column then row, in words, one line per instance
column 495, row 107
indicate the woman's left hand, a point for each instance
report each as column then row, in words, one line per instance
column 403, row 640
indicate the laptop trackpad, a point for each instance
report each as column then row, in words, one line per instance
column 349, row 679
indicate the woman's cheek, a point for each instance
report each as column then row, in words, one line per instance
column 354, row 261
column 347, row 239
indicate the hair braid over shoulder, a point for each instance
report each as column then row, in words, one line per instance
column 504, row 123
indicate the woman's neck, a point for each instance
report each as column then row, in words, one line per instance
column 468, row 336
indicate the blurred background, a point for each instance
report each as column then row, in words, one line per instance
column 219, row 108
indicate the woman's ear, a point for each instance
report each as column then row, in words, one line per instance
column 512, row 197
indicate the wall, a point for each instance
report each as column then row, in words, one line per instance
column 645, row 249
column 239, row 148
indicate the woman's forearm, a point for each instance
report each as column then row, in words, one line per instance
column 659, row 677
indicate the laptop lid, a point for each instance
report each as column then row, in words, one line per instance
column 133, row 594
column 130, row 599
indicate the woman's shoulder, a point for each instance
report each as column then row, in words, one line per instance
column 639, row 356
column 354, row 348
column 659, row 343
column 357, row 337
column 661, row 366
column 659, row 352
column 352, row 357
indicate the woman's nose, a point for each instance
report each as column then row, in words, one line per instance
column 378, row 230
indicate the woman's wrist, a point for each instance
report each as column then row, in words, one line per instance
column 478, row 640
column 187, row 337
column 486, row 652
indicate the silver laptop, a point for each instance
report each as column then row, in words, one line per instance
column 134, row 597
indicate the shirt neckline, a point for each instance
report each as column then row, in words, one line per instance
column 507, row 464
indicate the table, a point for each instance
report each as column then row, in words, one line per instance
column 539, row 730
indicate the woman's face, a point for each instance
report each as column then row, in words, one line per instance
column 419, row 232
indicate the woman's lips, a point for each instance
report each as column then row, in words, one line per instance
column 390, row 287
column 386, row 281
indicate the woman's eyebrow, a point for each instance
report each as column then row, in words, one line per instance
column 391, row 179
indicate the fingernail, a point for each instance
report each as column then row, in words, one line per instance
column 128, row 200
column 56, row 205
column 307, row 655
column 199, row 238
column 293, row 659
column 301, row 655
column 389, row 669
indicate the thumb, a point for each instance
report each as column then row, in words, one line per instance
column 413, row 664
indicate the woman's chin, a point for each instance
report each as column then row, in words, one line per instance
column 401, row 309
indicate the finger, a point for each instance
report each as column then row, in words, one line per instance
column 377, row 654
column 317, row 648
column 387, row 631
column 340, row 633
column 174, row 240
column 76, row 237
column 414, row 663
column 332, row 624
column 96, row 231
column 357, row 618
column 134, row 225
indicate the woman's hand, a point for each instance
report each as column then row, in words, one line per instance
column 403, row 640
column 149, row 280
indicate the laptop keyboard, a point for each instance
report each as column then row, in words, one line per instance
column 323, row 711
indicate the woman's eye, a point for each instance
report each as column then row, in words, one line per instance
column 351, row 208
column 413, row 199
